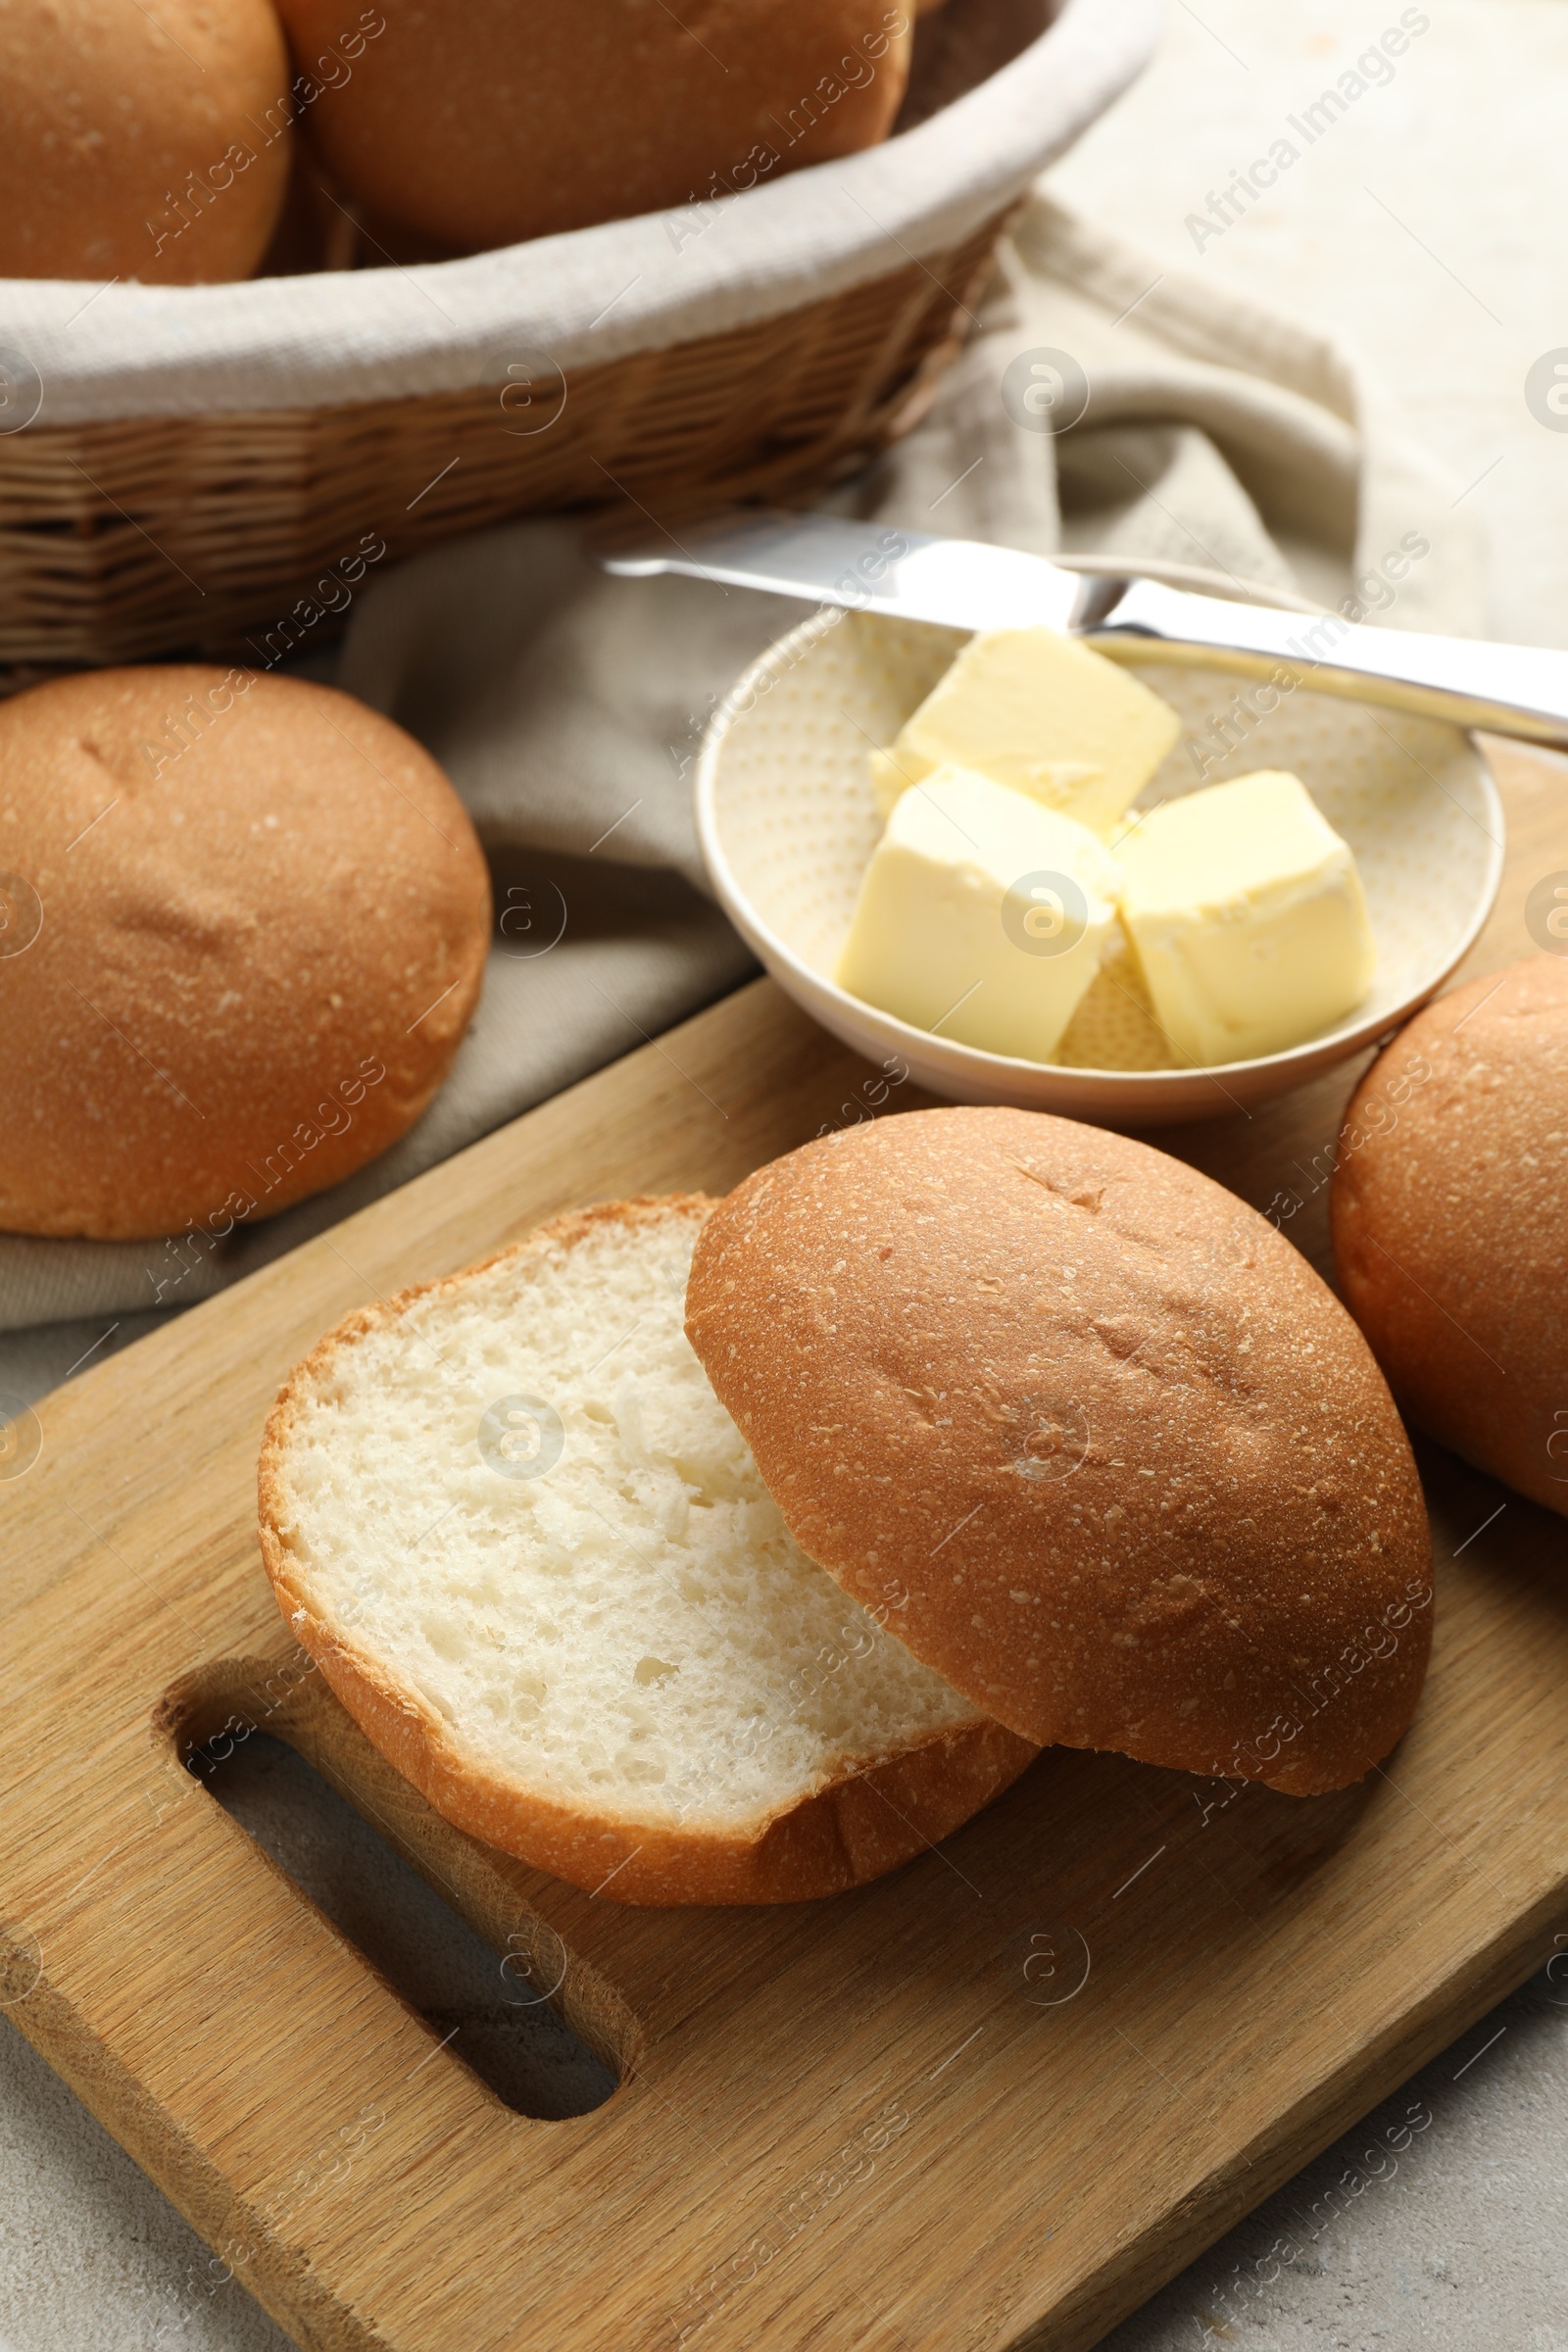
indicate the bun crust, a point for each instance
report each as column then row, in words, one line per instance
column 1132, row 1462
column 238, row 970
column 471, row 124
column 1450, row 1211
column 861, row 1824
column 140, row 143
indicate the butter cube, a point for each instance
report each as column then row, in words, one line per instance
column 1043, row 713
column 982, row 916
column 1248, row 917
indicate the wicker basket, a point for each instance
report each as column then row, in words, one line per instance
column 165, row 497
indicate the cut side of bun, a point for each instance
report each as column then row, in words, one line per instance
column 534, row 1558
column 1133, row 1462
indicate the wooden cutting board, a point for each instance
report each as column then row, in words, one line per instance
column 994, row 2100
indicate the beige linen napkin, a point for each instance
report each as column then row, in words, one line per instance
column 568, row 707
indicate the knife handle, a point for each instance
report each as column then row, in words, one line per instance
column 1519, row 690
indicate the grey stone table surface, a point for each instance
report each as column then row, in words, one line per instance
column 1428, row 226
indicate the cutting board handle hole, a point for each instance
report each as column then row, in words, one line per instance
column 494, row 1981
column 493, row 2012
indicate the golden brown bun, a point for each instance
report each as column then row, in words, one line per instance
column 214, row 952
column 1449, row 1211
column 863, row 1822
column 1128, row 1456
column 481, row 122
column 140, row 142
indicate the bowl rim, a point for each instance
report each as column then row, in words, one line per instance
column 1151, row 1086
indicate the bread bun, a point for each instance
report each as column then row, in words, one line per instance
column 468, row 124
column 139, row 142
column 551, row 1587
column 1450, row 1213
column 1127, row 1459
column 243, row 924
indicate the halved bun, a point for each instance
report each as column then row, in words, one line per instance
column 1449, row 1211
column 534, row 1559
column 1132, row 1462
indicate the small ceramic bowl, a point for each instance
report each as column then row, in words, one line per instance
column 787, row 821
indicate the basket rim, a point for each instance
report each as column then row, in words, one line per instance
column 592, row 295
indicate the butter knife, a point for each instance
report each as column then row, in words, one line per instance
column 1517, row 690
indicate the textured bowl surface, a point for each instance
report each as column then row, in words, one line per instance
column 788, row 821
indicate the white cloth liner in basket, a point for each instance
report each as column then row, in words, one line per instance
column 579, row 299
